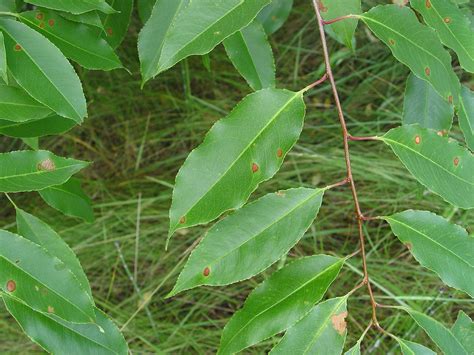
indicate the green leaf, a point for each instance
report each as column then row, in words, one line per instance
column 322, row 331
column 274, row 15
column 342, row 31
column 416, row 46
column 8, row 5
column 42, row 70
column 34, row 229
column 438, row 245
column 59, row 337
column 252, row 56
column 116, row 25
column 144, row 8
column 17, row 106
column 280, row 301
column 69, row 199
column 250, row 240
column 239, row 152
column 74, row 6
column 197, row 29
column 463, row 330
column 3, row 60
column 424, row 106
column 49, row 125
column 355, row 350
column 89, row 50
column 30, row 274
column 452, row 26
column 33, row 143
column 32, row 171
column 466, row 116
column 91, row 18
column 438, row 163
column 411, row 348
column 442, row 336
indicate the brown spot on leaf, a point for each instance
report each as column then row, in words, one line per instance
column 447, row 19
column 321, row 6
column 40, row 16
column 206, row 272
column 47, row 165
column 50, row 309
column 391, row 41
column 17, row 47
column 427, row 71
column 255, row 167
column 11, row 286
column 281, row 193
column 41, row 25
column 110, row 31
column 409, row 246
column 456, row 161
column 51, row 22
column 182, row 220
column 450, row 99
column 339, row 322
column 428, row 4
column 417, row 139
column 279, row 153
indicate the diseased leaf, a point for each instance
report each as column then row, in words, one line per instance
column 438, row 245
column 116, row 25
column 342, row 31
column 17, row 106
column 442, row 336
column 452, row 26
column 274, row 15
column 466, row 116
column 196, row 30
column 74, row 6
column 416, row 46
column 89, row 50
column 3, row 60
column 322, row 331
column 32, row 171
column 424, row 106
column 411, row 348
column 144, row 8
column 441, row 165
column 49, row 125
column 239, row 152
column 463, row 330
column 280, row 301
column 59, row 337
column 42, row 70
column 252, row 56
column 33, row 276
column 250, row 240
column 69, row 199
column 34, row 229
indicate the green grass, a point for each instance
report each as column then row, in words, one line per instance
column 138, row 140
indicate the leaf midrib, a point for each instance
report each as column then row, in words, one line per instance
column 39, row 172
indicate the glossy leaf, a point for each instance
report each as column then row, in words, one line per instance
column 69, row 199
column 116, row 25
column 33, row 143
column 416, row 46
column 280, row 301
column 59, row 337
column 17, row 106
column 466, row 116
column 42, row 281
column 41, row 69
column 322, row 331
column 250, row 240
column 441, row 165
column 342, row 31
column 274, row 15
column 438, row 245
column 49, row 125
column 411, row 348
column 144, row 8
column 31, row 171
column 239, row 152
column 442, row 336
column 463, row 330
column 34, row 229
column 196, row 30
column 90, row 18
column 252, row 56
column 3, row 60
column 424, row 106
column 74, row 6
column 8, row 5
column 87, row 49
column 452, row 26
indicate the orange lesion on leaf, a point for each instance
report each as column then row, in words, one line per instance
column 456, row 161
column 51, row 22
column 182, row 220
column 40, row 16
column 50, row 309
column 417, row 139
column 321, row 6
column 255, row 167
column 428, row 4
column 279, row 152
column 427, row 71
column 17, row 47
column 447, row 19
column 206, row 272
column 110, row 31
column 11, row 286
column 339, row 322
column 47, row 165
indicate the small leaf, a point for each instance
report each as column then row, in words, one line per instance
column 144, row 8
column 441, row 165
column 116, row 25
column 442, row 336
column 463, row 330
column 32, row 171
column 74, row 6
column 250, row 240
column 466, row 116
column 47, row 126
column 17, row 106
column 30, row 274
column 89, row 50
column 69, row 199
column 342, row 31
column 438, row 245
column 411, row 348
column 252, row 56
column 34, row 229
column 322, row 331
column 42, row 70
column 59, row 337
column 239, row 152
column 416, row 46
column 3, row 61
column 424, row 106
column 452, row 26
column 274, row 15
column 280, row 301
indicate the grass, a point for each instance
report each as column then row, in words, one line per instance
column 138, row 140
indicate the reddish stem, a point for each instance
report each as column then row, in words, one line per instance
column 337, row 19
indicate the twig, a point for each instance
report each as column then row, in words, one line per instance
column 337, row 19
